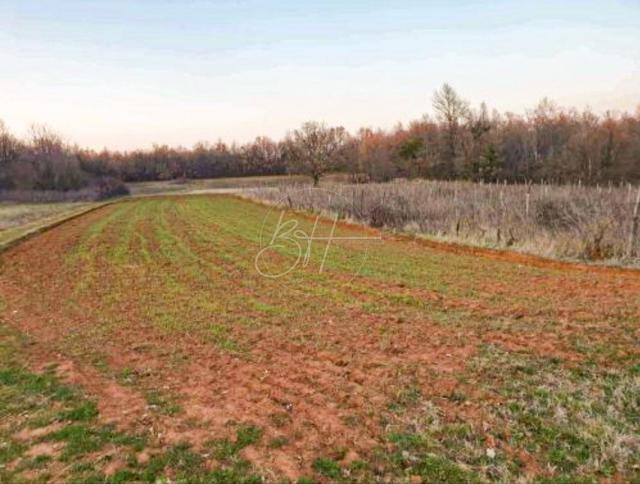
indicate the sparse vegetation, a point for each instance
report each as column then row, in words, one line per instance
column 187, row 186
column 570, row 221
column 18, row 219
column 420, row 365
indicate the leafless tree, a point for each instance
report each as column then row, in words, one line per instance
column 10, row 149
column 262, row 156
column 9, row 146
column 452, row 110
column 315, row 148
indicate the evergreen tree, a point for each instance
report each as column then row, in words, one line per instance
column 488, row 166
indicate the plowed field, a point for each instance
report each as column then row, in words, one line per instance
column 139, row 342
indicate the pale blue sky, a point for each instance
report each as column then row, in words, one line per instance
column 124, row 74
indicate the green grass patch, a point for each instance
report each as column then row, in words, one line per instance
column 327, row 467
column 572, row 419
column 220, row 336
column 226, row 449
column 161, row 403
column 82, row 439
column 82, row 412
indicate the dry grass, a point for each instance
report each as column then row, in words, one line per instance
column 571, row 221
column 18, row 219
column 231, row 183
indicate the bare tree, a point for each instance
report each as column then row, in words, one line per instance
column 451, row 109
column 9, row 146
column 262, row 156
column 10, row 149
column 315, row 148
column 44, row 140
column 54, row 163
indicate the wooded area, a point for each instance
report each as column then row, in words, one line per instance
column 547, row 143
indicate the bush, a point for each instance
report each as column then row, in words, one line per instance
column 109, row 187
column 554, row 214
column 100, row 189
column 394, row 213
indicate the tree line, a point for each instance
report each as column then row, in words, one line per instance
column 547, row 143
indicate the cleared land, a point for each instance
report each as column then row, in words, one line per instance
column 190, row 186
column 139, row 341
column 186, row 186
column 17, row 219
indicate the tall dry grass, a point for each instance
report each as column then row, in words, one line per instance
column 568, row 221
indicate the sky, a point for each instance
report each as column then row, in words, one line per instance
column 127, row 74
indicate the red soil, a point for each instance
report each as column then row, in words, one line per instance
column 322, row 397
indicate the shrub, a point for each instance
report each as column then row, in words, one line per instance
column 554, row 214
column 109, row 187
